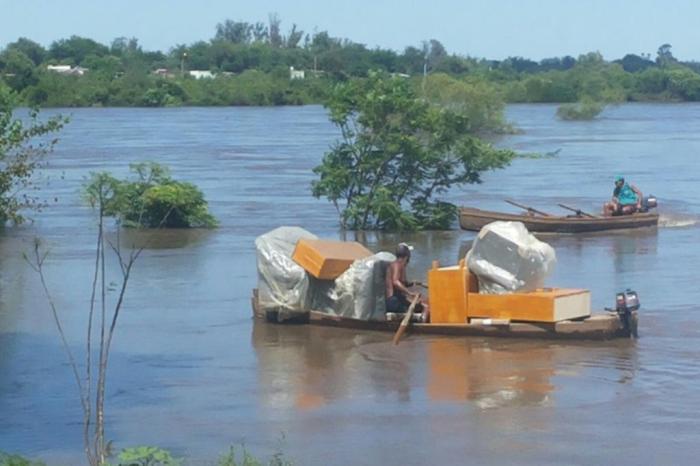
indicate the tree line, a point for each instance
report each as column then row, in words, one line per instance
column 251, row 64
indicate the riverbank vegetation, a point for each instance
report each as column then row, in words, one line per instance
column 154, row 456
column 24, row 143
column 261, row 64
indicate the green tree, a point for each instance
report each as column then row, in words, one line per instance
column 238, row 32
column 35, row 52
column 18, row 69
column 396, row 154
column 24, row 143
column 75, row 49
column 478, row 101
column 153, row 200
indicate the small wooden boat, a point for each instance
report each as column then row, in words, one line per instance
column 474, row 219
column 601, row 326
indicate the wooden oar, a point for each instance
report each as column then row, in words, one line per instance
column 579, row 212
column 529, row 209
column 406, row 320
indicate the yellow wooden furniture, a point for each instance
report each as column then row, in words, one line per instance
column 547, row 305
column 448, row 291
column 326, row 259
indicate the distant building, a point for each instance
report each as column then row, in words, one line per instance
column 201, row 74
column 296, row 74
column 67, row 69
column 164, row 73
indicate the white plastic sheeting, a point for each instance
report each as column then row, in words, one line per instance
column 358, row 293
column 506, row 258
column 282, row 284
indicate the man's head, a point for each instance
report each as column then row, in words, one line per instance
column 403, row 250
column 619, row 180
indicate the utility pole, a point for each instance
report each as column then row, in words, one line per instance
column 182, row 64
column 425, row 72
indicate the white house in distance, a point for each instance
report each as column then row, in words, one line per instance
column 67, row 69
column 296, row 74
column 201, row 74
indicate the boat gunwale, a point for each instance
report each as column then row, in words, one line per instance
column 473, row 219
column 598, row 326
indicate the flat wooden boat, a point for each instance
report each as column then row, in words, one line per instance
column 474, row 219
column 601, row 326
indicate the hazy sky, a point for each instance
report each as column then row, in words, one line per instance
column 489, row 28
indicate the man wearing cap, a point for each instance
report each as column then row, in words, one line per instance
column 626, row 199
column 397, row 293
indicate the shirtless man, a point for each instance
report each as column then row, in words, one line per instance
column 397, row 293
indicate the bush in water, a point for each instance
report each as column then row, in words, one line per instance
column 580, row 111
column 153, row 200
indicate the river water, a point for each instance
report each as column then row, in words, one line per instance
column 192, row 372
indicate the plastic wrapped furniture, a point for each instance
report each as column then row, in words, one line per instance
column 282, row 284
column 358, row 293
column 507, row 258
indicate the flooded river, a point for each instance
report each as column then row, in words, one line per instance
column 192, row 372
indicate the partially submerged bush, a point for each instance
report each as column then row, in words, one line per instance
column 153, row 200
column 580, row 110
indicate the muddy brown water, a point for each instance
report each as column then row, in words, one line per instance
column 192, row 372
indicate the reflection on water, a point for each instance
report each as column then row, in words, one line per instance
column 170, row 238
column 307, row 367
column 489, row 376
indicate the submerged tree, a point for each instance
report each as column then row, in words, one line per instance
column 153, row 199
column 396, row 154
column 24, row 142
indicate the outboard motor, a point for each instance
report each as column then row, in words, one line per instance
column 649, row 202
column 627, row 302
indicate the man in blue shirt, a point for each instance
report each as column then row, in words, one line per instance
column 626, row 199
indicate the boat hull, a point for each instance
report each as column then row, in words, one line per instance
column 603, row 326
column 475, row 219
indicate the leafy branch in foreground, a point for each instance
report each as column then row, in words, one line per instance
column 396, row 154
column 153, row 199
column 23, row 146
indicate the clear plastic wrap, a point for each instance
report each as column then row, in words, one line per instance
column 282, row 284
column 358, row 293
column 506, row 258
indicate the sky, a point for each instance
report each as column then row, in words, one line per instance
column 493, row 29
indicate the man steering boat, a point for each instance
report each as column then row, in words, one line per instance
column 626, row 199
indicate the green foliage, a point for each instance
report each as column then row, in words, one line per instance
column 396, row 154
column 146, row 456
column 587, row 110
column 17, row 68
column 24, row 143
column 152, row 200
column 478, row 101
column 246, row 459
column 15, row 460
